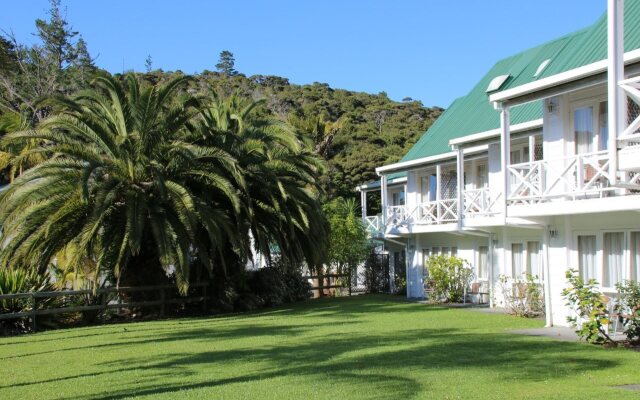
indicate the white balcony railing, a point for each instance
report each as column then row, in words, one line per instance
column 480, row 202
column 373, row 224
column 428, row 213
column 574, row 177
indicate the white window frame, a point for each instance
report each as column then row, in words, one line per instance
column 599, row 234
column 594, row 103
column 477, row 263
column 524, row 242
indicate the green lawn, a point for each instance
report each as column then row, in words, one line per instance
column 343, row 348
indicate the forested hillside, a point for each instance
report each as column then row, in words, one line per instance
column 363, row 130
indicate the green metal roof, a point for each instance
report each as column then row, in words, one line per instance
column 474, row 114
column 391, row 180
column 580, row 48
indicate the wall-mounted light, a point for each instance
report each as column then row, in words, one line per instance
column 553, row 233
column 551, row 106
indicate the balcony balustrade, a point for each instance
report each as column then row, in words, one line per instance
column 574, row 177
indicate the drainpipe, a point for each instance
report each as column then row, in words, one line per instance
column 615, row 69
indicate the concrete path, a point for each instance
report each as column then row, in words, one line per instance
column 555, row 332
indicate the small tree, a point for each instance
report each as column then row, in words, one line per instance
column 590, row 308
column 226, row 63
column 522, row 297
column 148, row 64
column 628, row 309
column 449, row 277
column 348, row 244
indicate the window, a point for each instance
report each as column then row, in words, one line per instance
column 454, row 251
column 424, row 189
column 587, row 256
column 482, row 180
column 533, row 258
column 613, row 265
column 603, row 126
column 398, row 198
column 483, row 262
column 445, row 251
column 583, row 129
column 516, row 260
column 635, row 256
column 426, row 253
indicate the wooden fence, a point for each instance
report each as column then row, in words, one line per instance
column 103, row 298
column 330, row 281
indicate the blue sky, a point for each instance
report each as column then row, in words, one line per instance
column 429, row 50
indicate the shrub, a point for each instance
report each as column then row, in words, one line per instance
column 449, row 277
column 21, row 281
column 522, row 297
column 590, row 308
column 275, row 287
column 628, row 309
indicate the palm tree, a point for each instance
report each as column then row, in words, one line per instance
column 280, row 200
column 124, row 181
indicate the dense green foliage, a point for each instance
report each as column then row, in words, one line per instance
column 449, row 276
column 362, row 347
column 348, row 243
column 139, row 178
column 22, row 281
column 590, row 312
column 628, row 309
column 522, row 297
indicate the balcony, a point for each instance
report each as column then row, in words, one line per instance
column 576, row 177
column 480, row 203
column 373, row 224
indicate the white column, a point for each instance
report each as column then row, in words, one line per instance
column 438, row 191
column 615, row 69
column 547, row 277
column 505, row 156
column 384, row 200
column 532, row 148
column 491, row 272
column 363, row 203
column 460, row 176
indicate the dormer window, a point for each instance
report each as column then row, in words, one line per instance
column 497, row 82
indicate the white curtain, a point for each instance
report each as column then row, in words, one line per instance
column 424, row 189
column 635, row 256
column 533, row 258
column 483, row 262
column 604, row 126
column 587, row 256
column 516, row 260
column 482, row 179
column 583, row 123
column 613, row 258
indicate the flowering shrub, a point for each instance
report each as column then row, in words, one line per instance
column 449, row 277
column 591, row 317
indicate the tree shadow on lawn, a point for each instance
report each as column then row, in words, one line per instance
column 373, row 361
column 133, row 338
column 339, row 310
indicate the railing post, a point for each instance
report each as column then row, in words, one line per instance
column 33, row 303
